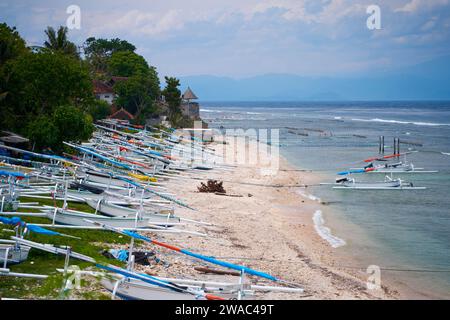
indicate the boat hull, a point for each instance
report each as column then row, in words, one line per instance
column 15, row 255
column 382, row 185
column 106, row 180
column 380, row 188
column 114, row 210
column 78, row 219
column 137, row 290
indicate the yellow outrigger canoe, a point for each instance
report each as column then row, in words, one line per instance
column 142, row 177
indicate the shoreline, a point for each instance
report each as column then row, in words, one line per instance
column 403, row 285
column 270, row 229
column 395, row 287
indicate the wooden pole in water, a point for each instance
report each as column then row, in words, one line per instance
column 381, row 144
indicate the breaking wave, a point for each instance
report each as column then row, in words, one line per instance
column 325, row 232
column 402, row 122
column 210, row 110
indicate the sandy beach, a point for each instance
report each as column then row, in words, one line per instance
column 263, row 223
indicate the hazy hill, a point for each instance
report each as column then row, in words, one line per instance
column 426, row 81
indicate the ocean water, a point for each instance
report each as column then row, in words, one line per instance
column 406, row 233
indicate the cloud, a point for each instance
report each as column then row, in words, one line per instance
column 235, row 37
column 430, row 24
column 410, row 6
column 414, row 5
column 325, row 12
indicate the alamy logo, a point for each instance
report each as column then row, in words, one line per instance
column 74, row 19
column 73, row 281
column 249, row 147
column 374, row 279
column 374, row 20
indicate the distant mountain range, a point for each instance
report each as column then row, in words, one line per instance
column 426, row 81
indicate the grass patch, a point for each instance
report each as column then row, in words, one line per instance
column 40, row 262
column 56, row 203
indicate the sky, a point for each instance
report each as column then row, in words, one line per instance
column 242, row 38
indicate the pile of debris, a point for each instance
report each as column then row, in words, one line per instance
column 212, row 186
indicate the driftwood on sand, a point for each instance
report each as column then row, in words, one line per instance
column 212, row 186
column 216, row 271
column 229, row 195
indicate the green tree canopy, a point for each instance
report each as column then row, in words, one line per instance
column 98, row 51
column 135, row 95
column 138, row 93
column 173, row 97
column 47, row 92
column 105, row 47
column 154, row 84
column 42, row 132
column 66, row 123
column 47, row 95
column 99, row 109
column 57, row 41
column 11, row 44
column 40, row 82
column 127, row 64
column 73, row 124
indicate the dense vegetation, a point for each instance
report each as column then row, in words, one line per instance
column 46, row 94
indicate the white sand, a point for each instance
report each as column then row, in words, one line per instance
column 269, row 228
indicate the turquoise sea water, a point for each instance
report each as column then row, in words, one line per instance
column 399, row 231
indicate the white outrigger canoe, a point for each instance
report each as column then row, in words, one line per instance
column 12, row 253
column 79, row 196
column 114, row 210
column 399, row 167
column 133, row 289
column 108, row 181
column 77, row 218
column 388, row 184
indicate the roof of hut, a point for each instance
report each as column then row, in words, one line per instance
column 189, row 95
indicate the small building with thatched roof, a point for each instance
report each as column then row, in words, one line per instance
column 188, row 95
column 122, row 114
column 188, row 108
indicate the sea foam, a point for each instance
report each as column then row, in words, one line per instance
column 309, row 196
column 325, row 232
column 431, row 124
column 209, row 110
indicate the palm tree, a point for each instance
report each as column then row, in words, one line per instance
column 57, row 41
